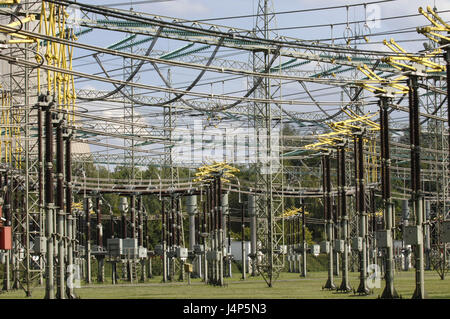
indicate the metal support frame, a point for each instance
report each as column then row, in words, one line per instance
column 361, row 211
column 328, row 217
column 389, row 291
column 416, row 195
column 342, row 206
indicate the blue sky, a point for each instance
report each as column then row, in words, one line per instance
column 205, row 9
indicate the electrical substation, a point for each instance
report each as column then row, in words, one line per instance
column 307, row 143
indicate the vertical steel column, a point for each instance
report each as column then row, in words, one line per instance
column 417, row 197
column 49, row 286
column 220, row 229
column 427, row 235
column 100, row 257
column 133, row 215
column 389, row 290
column 253, row 232
column 362, row 213
column 328, row 216
column 40, row 183
column 7, row 222
column 124, row 222
column 373, row 247
column 205, row 232
column 213, row 230
column 336, row 236
column 174, row 236
column 345, row 285
column 50, row 293
column 70, row 218
column 60, row 206
column 87, row 254
column 303, row 274
column 164, row 235
column 243, row 252
column 228, row 215
column 132, row 261
column 405, row 217
column 191, row 207
column 297, row 264
column 140, row 221
column 225, row 243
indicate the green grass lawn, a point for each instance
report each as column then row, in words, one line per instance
column 288, row 286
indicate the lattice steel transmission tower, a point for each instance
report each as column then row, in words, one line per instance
column 269, row 166
column 25, row 214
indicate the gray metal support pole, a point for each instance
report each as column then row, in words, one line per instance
column 140, row 231
column 87, row 254
column 427, row 235
column 61, row 292
column 389, row 291
column 50, row 284
column 70, row 218
column 345, row 285
column 225, row 218
column 100, row 258
column 191, row 207
column 7, row 216
column 417, row 197
column 243, row 252
column 361, row 205
column 164, row 239
column 406, row 217
column 303, row 274
column 328, row 216
column 253, row 237
column 221, row 230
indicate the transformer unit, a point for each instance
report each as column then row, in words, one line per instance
column 384, row 238
column 212, row 255
column 159, row 250
column 413, row 235
column 325, row 247
column 339, row 245
column 182, row 252
column 445, row 237
column 142, row 252
column 115, row 246
column 316, row 250
column 40, row 245
column 130, row 247
column 199, row 249
column 357, row 243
